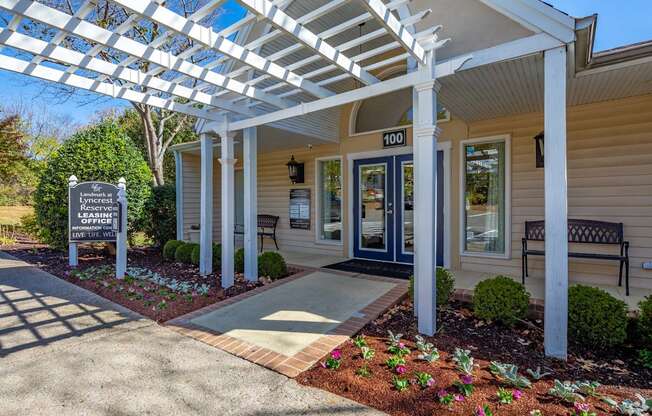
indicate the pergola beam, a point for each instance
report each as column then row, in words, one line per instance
column 44, row 50
column 286, row 23
column 209, row 38
column 395, row 28
column 63, row 21
column 54, row 75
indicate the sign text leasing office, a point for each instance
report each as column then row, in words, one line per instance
column 94, row 212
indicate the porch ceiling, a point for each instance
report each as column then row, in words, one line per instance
column 516, row 87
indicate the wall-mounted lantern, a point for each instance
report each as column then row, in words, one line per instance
column 540, row 140
column 295, row 171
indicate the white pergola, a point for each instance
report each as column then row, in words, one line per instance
column 241, row 89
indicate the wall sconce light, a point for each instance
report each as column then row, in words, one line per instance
column 295, row 171
column 540, row 140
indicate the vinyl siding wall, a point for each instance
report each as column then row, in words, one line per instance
column 609, row 179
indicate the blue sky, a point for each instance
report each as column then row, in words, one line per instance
column 619, row 23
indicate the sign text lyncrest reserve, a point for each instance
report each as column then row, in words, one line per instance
column 93, row 212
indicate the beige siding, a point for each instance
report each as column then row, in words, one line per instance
column 191, row 195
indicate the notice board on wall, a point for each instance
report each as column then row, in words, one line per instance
column 300, row 209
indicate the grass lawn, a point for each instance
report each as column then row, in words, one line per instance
column 12, row 215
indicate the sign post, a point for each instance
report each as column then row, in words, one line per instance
column 72, row 246
column 121, row 238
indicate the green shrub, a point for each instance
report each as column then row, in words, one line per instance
column 183, row 254
column 98, row 153
column 445, row 286
column 217, row 257
column 170, row 248
column 595, row 318
column 239, row 260
column 645, row 321
column 196, row 253
column 160, row 222
column 500, row 299
column 272, row 265
column 29, row 226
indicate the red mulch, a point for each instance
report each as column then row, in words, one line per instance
column 621, row 377
column 56, row 263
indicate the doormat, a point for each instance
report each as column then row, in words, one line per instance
column 375, row 268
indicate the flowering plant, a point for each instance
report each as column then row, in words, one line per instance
column 363, row 371
column 394, row 361
column 360, row 341
column 424, row 380
column 536, row 412
column 367, row 353
column 508, row 396
column 427, row 351
column 483, row 411
column 399, row 349
column 400, row 369
column 582, row 409
column 463, row 360
column 400, row 384
column 334, row 361
column 465, row 385
column 448, row 398
column 394, row 339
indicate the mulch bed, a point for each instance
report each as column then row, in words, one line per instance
column 621, row 377
column 56, row 263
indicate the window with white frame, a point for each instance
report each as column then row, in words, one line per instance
column 329, row 192
column 485, row 173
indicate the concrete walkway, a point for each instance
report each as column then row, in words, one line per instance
column 66, row 351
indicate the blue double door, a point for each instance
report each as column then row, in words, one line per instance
column 383, row 208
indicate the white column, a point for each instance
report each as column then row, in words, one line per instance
column 72, row 247
column 121, row 238
column 425, row 200
column 228, row 209
column 178, row 171
column 413, row 66
column 556, row 205
column 250, row 148
column 206, row 206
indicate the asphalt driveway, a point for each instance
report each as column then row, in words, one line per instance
column 64, row 350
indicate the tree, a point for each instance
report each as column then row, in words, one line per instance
column 160, row 128
column 13, row 145
column 102, row 152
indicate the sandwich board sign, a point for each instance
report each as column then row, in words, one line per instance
column 97, row 211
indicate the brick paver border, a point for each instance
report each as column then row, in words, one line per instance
column 293, row 365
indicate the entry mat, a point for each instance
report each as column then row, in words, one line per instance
column 376, row 268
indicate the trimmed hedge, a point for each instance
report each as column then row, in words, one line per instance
column 217, row 256
column 239, row 260
column 161, row 214
column 194, row 256
column 445, row 286
column 102, row 152
column 183, row 254
column 645, row 320
column 501, row 299
column 595, row 318
column 170, row 248
column 272, row 265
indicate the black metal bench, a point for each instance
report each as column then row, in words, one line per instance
column 266, row 228
column 582, row 232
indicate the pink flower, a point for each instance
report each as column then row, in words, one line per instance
column 479, row 411
column 323, row 364
column 517, row 394
column 582, row 407
column 459, row 398
column 336, row 354
column 442, row 393
column 401, row 345
column 400, row 369
column 430, row 382
column 466, row 379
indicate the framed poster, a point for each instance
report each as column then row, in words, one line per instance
column 300, row 209
column 93, row 212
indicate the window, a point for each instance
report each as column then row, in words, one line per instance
column 329, row 183
column 485, row 205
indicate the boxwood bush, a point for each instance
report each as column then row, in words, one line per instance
column 501, row 299
column 272, row 265
column 645, row 321
column 170, row 248
column 102, row 152
column 595, row 318
column 445, row 286
column 196, row 253
column 183, row 254
column 239, row 260
column 160, row 222
column 217, row 256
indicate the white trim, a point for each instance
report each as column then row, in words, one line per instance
column 446, row 147
column 178, row 159
column 506, row 138
column 318, row 239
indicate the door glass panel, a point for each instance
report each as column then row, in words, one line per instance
column 372, row 207
column 408, row 207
